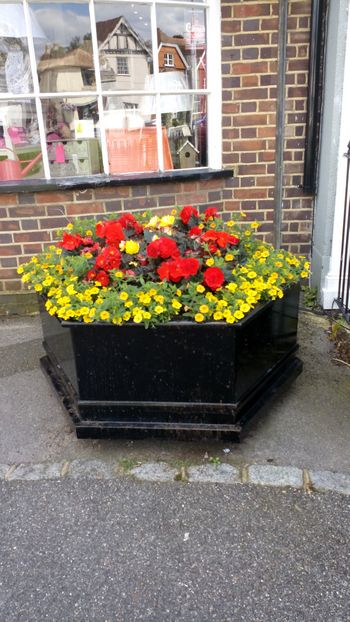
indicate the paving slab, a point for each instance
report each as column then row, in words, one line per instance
column 308, row 426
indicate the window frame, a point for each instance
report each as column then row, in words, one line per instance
column 168, row 56
column 212, row 90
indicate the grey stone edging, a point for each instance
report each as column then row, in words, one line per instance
column 257, row 474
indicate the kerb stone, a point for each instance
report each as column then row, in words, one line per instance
column 270, row 475
column 219, row 474
column 326, row 480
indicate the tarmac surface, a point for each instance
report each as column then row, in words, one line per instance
column 124, row 551
column 101, row 531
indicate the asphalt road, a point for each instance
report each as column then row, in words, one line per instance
column 123, row 550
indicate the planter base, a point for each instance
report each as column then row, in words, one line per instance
column 244, row 410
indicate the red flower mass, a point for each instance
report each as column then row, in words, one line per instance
column 213, row 278
column 210, row 212
column 70, row 242
column 111, row 230
column 177, row 269
column 187, row 212
column 108, row 259
column 163, row 247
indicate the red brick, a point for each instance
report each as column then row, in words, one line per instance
column 32, row 236
column 112, row 192
column 25, row 211
column 54, row 197
column 249, row 68
column 7, row 251
column 252, row 10
column 9, row 225
column 80, row 209
column 258, row 93
column 8, row 199
column 250, row 119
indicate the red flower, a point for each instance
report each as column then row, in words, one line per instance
column 129, row 221
column 70, row 241
column 219, row 238
column 187, row 212
column 108, row 259
column 111, row 230
column 91, row 275
column 213, row 278
column 210, row 212
column 103, row 278
column 179, row 268
column 194, row 232
column 163, row 247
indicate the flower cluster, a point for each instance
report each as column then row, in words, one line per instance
column 151, row 269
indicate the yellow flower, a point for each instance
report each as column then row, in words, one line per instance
column 200, row 289
column 166, row 221
column 230, row 319
column 231, row 287
column 199, row 317
column 147, row 315
column 131, row 247
column 123, row 295
column 238, row 315
column 20, row 270
column 159, row 309
column 159, row 299
column 218, row 315
column 38, row 287
column 118, row 274
column 88, row 232
column 138, row 318
column 210, row 262
column 152, row 292
column 129, row 303
column 70, row 290
column 176, row 304
column 278, row 264
column 244, row 308
column 69, row 227
column 303, row 274
column 230, row 223
column 179, row 292
column 104, row 315
column 247, row 233
column 254, row 225
column 204, row 309
column 228, row 257
column 127, row 316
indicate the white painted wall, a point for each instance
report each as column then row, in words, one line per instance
column 335, row 135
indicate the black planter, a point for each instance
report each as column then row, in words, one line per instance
column 181, row 376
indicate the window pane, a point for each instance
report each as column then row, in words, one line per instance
column 72, row 135
column 185, row 120
column 124, row 39
column 20, row 151
column 182, row 35
column 15, row 73
column 66, row 62
column 132, row 135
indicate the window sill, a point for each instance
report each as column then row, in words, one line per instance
column 100, row 181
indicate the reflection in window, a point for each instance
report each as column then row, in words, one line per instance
column 150, row 95
column 71, row 135
column 20, row 151
column 122, row 66
column 66, row 63
column 124, row 41
column 185, row 120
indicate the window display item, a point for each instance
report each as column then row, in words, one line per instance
column 10, row 169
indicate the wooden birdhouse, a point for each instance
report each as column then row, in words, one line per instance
column 187, row 155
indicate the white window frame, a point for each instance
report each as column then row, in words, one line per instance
column 212, row 92
column 126, row 65
column 169, row 59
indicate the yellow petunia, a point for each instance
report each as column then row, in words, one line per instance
column 199, row 317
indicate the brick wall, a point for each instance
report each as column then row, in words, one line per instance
column 249, row 69
column 249, row 55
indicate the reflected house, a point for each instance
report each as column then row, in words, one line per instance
column 125, row 58
column 61, row 70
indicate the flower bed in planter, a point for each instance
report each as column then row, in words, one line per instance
column 181, row 322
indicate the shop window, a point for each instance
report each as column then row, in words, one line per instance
column 98, row 88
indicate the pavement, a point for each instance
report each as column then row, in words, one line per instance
column 122, row 530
